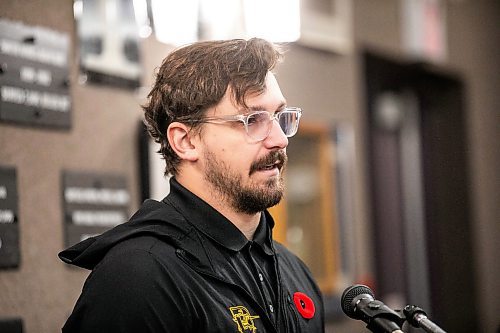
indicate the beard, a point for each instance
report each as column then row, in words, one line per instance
column 251, row 198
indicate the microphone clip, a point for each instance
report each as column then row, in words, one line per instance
column 379, row 317
column 418, row 318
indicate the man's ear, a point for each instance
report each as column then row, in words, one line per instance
column 179, row 136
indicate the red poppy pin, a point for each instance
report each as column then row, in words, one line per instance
column 304, row 305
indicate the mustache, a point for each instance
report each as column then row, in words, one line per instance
column 277, row 157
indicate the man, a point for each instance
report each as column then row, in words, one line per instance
column 203, row 259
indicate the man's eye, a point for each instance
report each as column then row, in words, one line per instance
column 252, row 119
column 257, row 118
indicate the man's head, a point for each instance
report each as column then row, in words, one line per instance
column 196, row 77
column 218, row 112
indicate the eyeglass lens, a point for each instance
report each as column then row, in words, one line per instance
column 289, row 122
column 259, row 124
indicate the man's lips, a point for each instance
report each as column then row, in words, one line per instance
column 273, row 160
column 278, row 164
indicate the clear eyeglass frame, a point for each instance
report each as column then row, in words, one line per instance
column 258, row 124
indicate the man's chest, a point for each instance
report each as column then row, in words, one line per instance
column 220, row 305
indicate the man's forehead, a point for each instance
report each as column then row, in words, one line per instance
column 269, row 99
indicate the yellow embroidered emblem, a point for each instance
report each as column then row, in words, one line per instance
column 243, row 319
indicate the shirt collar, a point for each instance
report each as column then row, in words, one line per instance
column 213, row 224
column 263, row 234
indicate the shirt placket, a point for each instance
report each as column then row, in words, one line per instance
column 265, row 287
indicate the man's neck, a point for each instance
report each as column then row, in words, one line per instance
column 246, row 223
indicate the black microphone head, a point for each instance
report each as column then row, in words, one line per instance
column 348, row 298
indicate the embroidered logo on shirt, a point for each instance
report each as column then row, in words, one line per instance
column 304, row 305
column 243, row 319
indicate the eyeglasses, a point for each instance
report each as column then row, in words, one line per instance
column 258, row 124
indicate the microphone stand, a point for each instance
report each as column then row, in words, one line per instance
column 418, row 318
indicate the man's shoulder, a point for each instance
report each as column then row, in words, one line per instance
column 148, row 243
column 283, row 251
column 288, row 259
column 140, row 259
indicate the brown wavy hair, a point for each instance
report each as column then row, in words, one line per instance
column 195, row 77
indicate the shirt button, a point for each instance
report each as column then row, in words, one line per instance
column 271, row 308
column 261, row 278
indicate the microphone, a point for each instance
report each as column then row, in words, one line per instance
column 358, row 302
column 418, row 318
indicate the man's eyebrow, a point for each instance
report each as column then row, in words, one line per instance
column 262, row 108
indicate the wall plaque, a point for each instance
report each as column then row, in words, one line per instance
column 11, row 325
column 93, row 203
column 9, row 224
column 109, row 42
column 34, row 83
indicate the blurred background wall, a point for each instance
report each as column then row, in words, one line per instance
column 333, row 88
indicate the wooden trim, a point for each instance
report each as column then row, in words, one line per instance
column 279, row 213
column 330, row 243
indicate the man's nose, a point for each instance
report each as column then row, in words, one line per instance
column 276, row 138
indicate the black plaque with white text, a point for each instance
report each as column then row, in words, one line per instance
column 34, row 76
column 9, row 223
column 93, row 203
column 11, row 325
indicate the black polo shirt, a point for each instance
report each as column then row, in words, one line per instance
column 180, row 266
column 254, row 260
